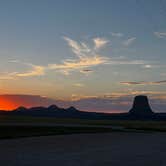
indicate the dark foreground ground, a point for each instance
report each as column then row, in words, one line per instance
column 102, row 149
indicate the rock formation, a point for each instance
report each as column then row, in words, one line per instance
column 141, row 106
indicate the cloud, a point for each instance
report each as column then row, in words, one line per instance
column 36, row 71
column 79, row 49
column 86, row 71
column 124, row 61
column 117, row 34
column 78, row 97
column 129, row 41
column 7, row 76
column 78, row 85
column 144, row 83
column 160, row 34
column 99, row 42
column 79, row 64
column 86, row 57
column 148, row 66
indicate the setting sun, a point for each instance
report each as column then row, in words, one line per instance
column 7, row 104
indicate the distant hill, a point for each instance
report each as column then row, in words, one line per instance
column 140, row 110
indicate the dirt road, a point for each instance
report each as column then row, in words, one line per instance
column 109, row 149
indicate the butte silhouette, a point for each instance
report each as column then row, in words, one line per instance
column 141, row 107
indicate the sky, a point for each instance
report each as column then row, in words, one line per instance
column 78, row 51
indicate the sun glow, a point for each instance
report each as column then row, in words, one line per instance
column 7, row 104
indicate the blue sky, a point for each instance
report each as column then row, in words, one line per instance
column 83, row 49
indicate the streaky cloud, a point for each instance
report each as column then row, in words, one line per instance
column 86, row 71
column 7, row 76
column 143, row 83
column 79, row 49
column 78, row 85
column 117, row 34
column 160, row 35
column 99, row 42
column 85, row 56
column 129, row 41
column 36, row 71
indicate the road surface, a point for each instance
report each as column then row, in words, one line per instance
column 102, row 149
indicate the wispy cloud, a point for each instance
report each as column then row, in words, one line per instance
column 120, row 95
column 118, row 34
column 86, row 57
column 99, row 42
column 79, row 49
column 77, row 97
column 79, row 64
column 129, row 41
column 143, row 82
column 86, row 71
column 160, row 34
column 148, row 66
column 36, row 71
column 125, row 61
column 78, row 85
column 7, row 76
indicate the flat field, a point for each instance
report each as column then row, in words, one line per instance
column 26, row 126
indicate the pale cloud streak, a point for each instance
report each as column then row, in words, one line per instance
column 143, row 82
column 74, row 64
column 119, row 95
column 7, row 76
column 86, row 71
column 148, row 66
column 79, row 49
column 78, row 85
column 35, row 71
column 160, row 34
column 118, row 34
column 99, row 42
column 126, row 62
column 129, row 41
column 77, row 97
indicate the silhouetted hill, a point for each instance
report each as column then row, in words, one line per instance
column 140, row 110
column 72, row 109
column 141, row 107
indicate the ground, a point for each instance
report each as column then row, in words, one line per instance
column 99, row 149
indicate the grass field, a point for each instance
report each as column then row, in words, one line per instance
column 9, row 131
column 52, row 120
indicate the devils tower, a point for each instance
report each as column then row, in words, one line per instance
column 141, row 107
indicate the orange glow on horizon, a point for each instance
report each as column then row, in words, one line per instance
column 7, row 104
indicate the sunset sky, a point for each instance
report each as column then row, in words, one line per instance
column 101, row 52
